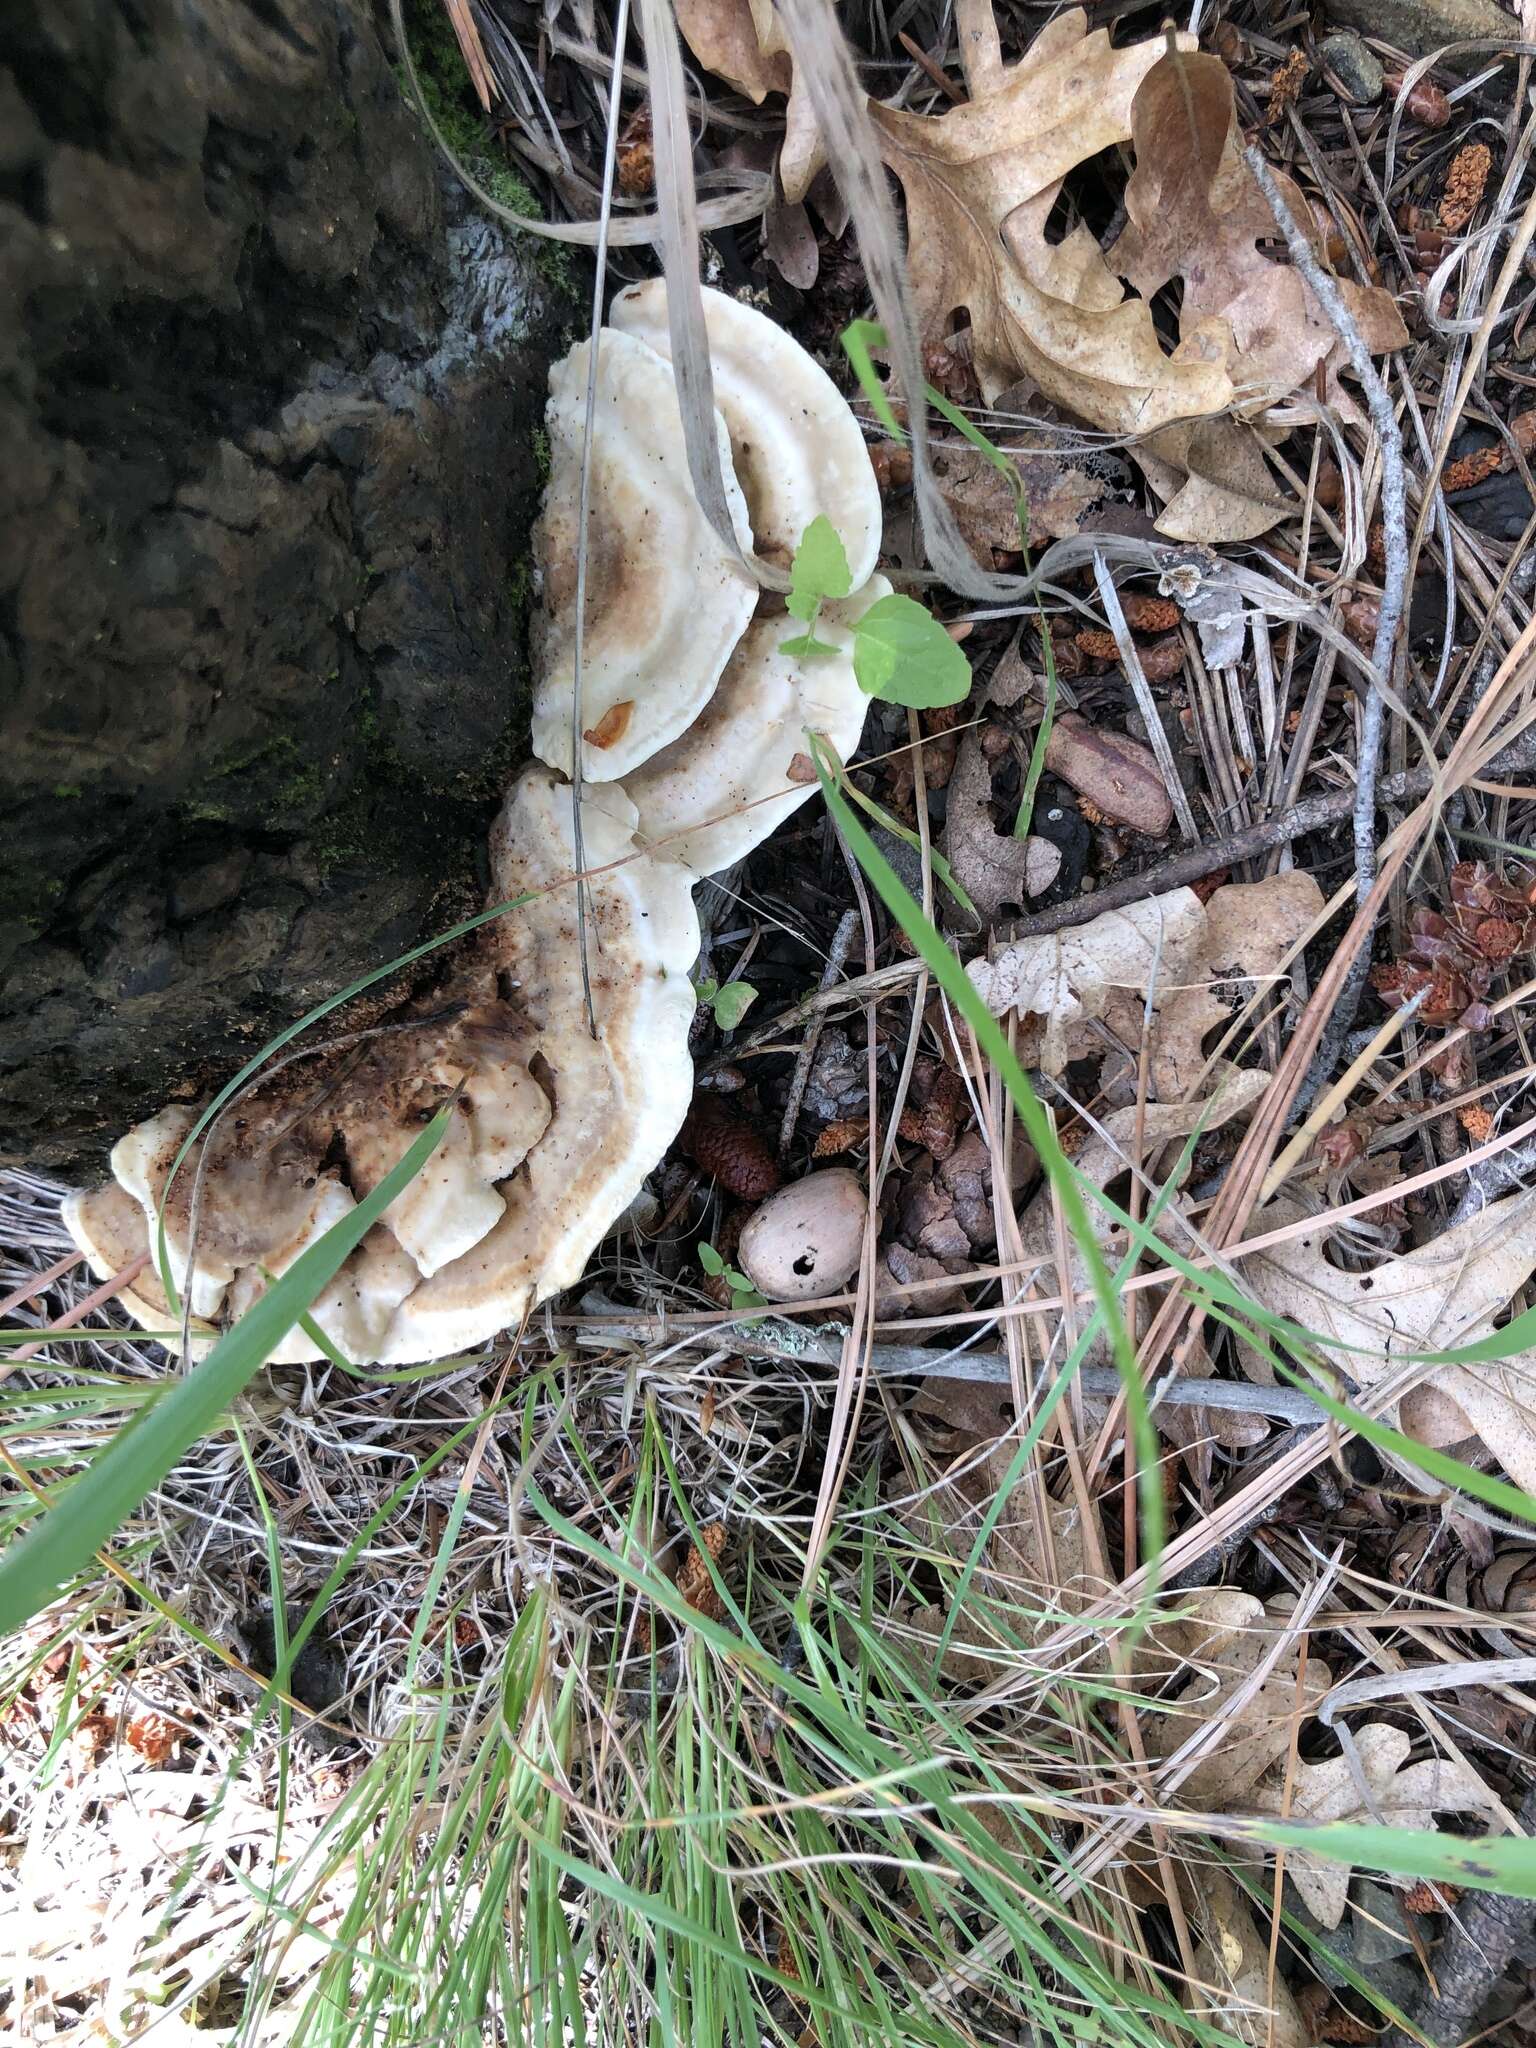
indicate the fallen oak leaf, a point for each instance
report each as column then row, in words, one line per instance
column 1402, row 1795
column 1056, row 495
column 1216, row 482
column 1067, row 978
column 980, row 182
column 1196, row 212
column 1252, row 2000
column 1226, row 1635
column 1441, row 1296
column 1250, row 928
column 1102, row 1159
column 743, row 42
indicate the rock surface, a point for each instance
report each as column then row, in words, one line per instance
column 1419, row 26
column 269, row 401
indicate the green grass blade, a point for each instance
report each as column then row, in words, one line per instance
column 962, row 992
column 39, row 1563
column 1505, row 1864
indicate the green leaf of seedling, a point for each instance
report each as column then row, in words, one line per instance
column 804, row 645
column 731, row 1003
column 903, row 654
column 709, row 1259
column 819, row 570
column 743, row 1293
column 1025, row 819
column 706, row 988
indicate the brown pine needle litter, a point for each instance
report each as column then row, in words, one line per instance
column 941, row 1659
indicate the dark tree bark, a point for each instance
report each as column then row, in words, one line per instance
column 268, row 457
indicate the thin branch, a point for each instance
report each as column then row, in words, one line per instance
column 1394, row 591
column 1313, row 814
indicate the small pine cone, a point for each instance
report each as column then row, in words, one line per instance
column 1464, row 185
column 1096, row 646
column 1468, row 470
column 1338, row 2024
column 694, row 1581
column 892, row 465
column 1360, row 619
column 1424, row 1897
column 1144, row 614
column 732, row 1152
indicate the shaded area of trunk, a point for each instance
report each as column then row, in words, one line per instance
column 269, row 406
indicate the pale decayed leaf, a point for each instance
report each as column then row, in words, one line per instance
column 1438, row 1297
column 1161, row 1125
column 1402, row 1795
column 1247, row 2002
column 1068, row 978
column 1218, row 486
column 1225, row 1638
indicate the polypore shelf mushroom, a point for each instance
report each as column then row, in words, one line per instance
column 808, row 1238
column 701, row 800
column 618, row 1099
column 797, row 448
column 107, row 1225
column 554, row 1133
column 665, row 601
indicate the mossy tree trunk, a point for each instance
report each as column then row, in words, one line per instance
column 269, row 405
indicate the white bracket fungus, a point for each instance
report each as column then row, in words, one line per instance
column 692, row 715
column 665, row 603
column 720, row 789
column 796, row 446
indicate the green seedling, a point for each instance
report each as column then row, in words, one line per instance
column 743, row 1293
column 729, row 1002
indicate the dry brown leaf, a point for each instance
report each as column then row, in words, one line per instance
column 1117, row 775
column 743, row 42
column 1103, row 1159
column 1402, row 1795
column 722, row 34
column 1035, row 1567
column 980, row 182
column 1215, row 479
column 991, row 866
column 1197, row 213
column 1233, row 1957
column 1249, row 929
column 1439, row 1297
column 1067, row 979
column 1056, row 496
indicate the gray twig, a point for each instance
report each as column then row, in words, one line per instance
column 1491, row 1177
column 602, row 1326
column 1394, row 590
column 1313, row 814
